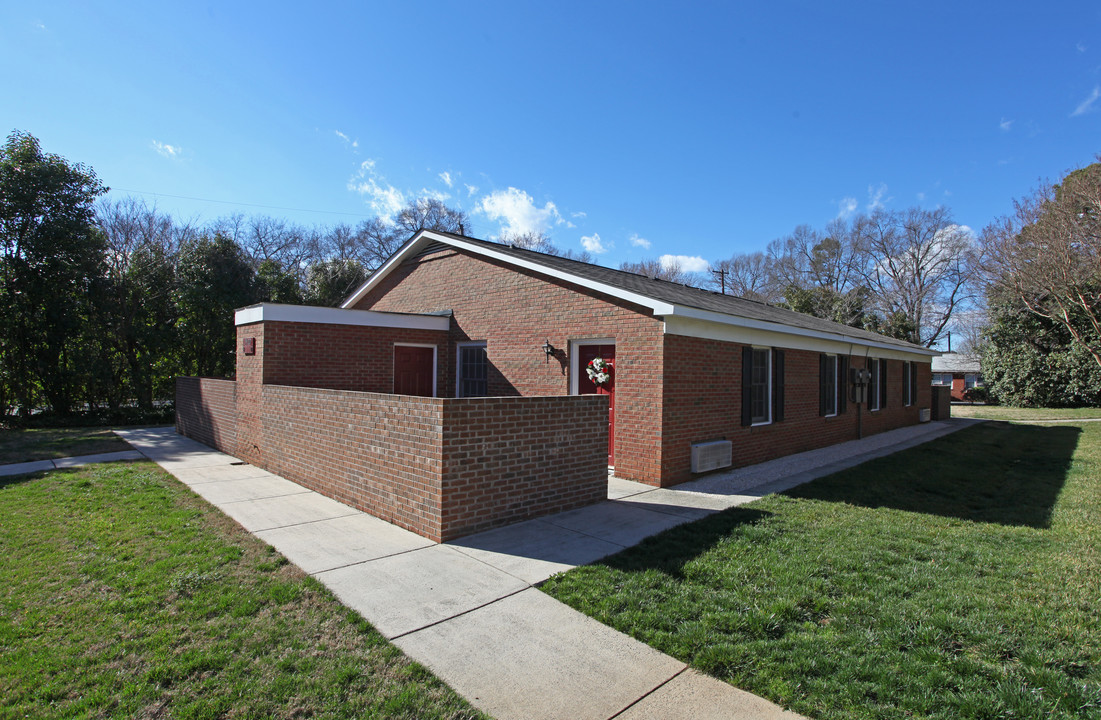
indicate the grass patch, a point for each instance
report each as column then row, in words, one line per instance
column 1001, row 412
column 18, row 446
column 959, row 579
column 125, row 595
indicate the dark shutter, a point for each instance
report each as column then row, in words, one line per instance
column 842, row 384
column 777, row 385
column 747, row 386
column 883, row 383
column 823, row 365
column 913, row 383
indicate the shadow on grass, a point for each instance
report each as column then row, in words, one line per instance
column 995, row 472
column 669, row 551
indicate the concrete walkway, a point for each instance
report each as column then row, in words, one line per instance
column 76, row 461
column 469, row 609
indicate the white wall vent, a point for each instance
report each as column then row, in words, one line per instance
column 711, row 455
column 926, row 415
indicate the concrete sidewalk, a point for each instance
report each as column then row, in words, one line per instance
column 469, row 609
column 76, row 461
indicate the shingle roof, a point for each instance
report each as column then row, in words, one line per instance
column 679, row 294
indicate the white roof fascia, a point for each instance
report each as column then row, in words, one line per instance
column 658, row 307
column 724, row 319
column 273, row 312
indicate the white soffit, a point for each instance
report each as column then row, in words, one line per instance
column 272, row 312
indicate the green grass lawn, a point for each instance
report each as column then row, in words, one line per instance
column 18, row 446
column 959, row 579
column 125, row 595
column 1000, row 412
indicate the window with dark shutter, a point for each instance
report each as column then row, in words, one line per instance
column 882, row 384
column 827, row 385
column 873, row 384
column 777, row 385
column 473, row 375
column 747, row 386
column 842, row 384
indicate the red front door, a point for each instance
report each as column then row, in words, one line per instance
column 585, row 386
column 413, row 371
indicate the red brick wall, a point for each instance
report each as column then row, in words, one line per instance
column 511, row 459
column 379, row 453
column 206, row 410
column 703, row 389
column 339, row 357
column 516, row 312
column 959, row 387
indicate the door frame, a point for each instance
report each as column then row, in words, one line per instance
column 435, row 364
column 574, row 345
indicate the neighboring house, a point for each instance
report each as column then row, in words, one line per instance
column 689, row 366
column 959, row 371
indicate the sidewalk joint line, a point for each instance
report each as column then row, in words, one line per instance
column 459, row 614
column 645, row 695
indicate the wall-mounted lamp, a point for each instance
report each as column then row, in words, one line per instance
column 549, row 350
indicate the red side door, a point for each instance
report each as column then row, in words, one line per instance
column 414, row 371
column 585, row 386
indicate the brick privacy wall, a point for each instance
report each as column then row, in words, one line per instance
column 509, row 459
column 206, row 410
column 959, row 387
column 703, row 390
column 338, row 357
column 516, row 312
column 441, row 468
column 250, row 378
column 379, row 453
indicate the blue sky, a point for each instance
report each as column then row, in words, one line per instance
column 632, row 129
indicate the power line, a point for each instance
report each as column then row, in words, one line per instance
column 242, row 204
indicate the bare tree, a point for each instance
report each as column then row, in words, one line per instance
column 538, row 241
column 920, row 268
column 1047, row 255
column 747, row 275
column 430, row 214
column 654, row 268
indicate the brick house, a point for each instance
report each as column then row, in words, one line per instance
column 959, row 371
column 692, row 368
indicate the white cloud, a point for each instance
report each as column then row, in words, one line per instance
column 384, row 198
column 846, row 207
column 1005, row 124
column 471, row 189
column 346, row 139
column 921, row 196
column 517, row 212
column 593, row 244
column 640, row 241
column 875, row 196
column 687, row 263
column 1087, row 105
column 40, row 25
column 1080, row 47
column 434, row 194
column 446, row 177
column 169, row 151
column 578, row 214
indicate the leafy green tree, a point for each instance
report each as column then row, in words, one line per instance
column 1031, row 361
column 330, row 282
column 276, row 284
column 213, row 278
column 52, row 254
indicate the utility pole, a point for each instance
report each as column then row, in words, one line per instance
column 721, row 272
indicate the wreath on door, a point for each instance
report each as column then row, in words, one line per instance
column 599, row 370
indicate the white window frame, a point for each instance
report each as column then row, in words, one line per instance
column 836, row 384
column 976, row 380
column 941, row 376
column 574, row 346
column 435, row 364
column 873, row 386
column 768, row 386
column 459, row 365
